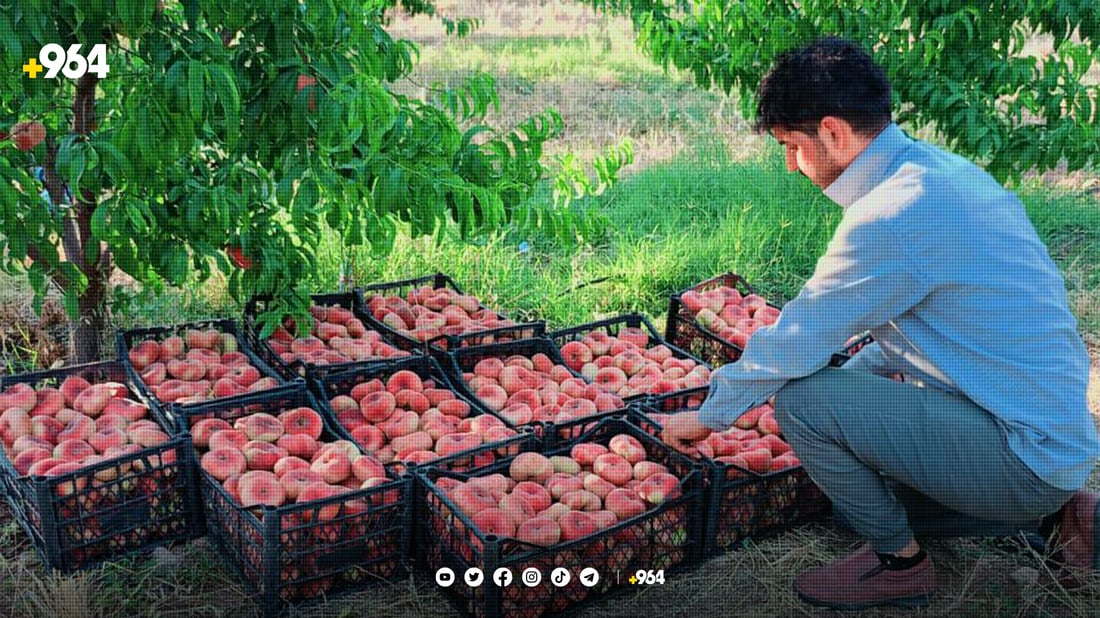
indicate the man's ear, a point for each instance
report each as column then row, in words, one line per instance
column 835, row 133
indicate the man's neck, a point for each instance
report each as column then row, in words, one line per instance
column 857, row 143
column 866, row 170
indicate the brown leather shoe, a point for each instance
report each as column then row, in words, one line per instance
column 1074, row 541
column 860, row 580
column 1077, row 534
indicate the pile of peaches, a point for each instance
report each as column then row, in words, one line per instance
column 626, row 365
column 337, row 336
column 547, row 500
column 751, row 443
column 263, row 459
column 729, row 315
column 427, row 313
column 524, row 390
column 54, row 431
column 412, row 420
column 198, row 366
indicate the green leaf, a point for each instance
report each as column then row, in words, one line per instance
column 225, row 87
column 284, row 191
column 195, row 77
column 464, row 206
column 191, row 13
column 307, row 196
column 77, row 163
column 99, row 222
column 390, row 192
column 74, row 275
column 71, row 301
column 64, row 158
column 115, row 165
column 175, row 264
column 13, row 48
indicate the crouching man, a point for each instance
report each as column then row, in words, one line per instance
column 944, row 268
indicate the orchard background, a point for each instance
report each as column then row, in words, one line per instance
column 703, row 195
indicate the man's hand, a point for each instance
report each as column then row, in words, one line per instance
column 683, row 430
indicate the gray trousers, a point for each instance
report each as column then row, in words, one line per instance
column 899, row 461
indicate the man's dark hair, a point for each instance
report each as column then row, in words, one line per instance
column 829, row 77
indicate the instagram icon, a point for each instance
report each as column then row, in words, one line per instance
column 531, row 577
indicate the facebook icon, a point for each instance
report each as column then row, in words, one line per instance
column 502, row 577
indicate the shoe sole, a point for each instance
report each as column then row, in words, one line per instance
column 915, row 601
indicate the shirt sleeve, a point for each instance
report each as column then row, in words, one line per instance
column 864, row 280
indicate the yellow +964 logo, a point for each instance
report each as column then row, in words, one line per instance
column 71, row 63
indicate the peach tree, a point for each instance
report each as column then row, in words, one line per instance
column 207, row 136
column 964, row 67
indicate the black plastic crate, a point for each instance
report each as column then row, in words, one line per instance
column 743, row 504
column 304, row 552
column 672, row 403
column 464, row 359
column 133, row 502
column 342, row 383
column 439, row 345
column 127, row 340
column 612, row 326
column 684, row 332
column 666, row 537
column 300, row 368
column 485, row 456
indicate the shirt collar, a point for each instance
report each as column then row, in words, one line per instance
column 869, row 168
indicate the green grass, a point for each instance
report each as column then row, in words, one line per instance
column 607, row 53
column 1069, row 224
column 672, row 225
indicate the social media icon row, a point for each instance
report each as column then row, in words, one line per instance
column 530, row 577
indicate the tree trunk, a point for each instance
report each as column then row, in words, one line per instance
column 87, row 331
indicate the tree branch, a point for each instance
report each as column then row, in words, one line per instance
column 86, row 202
column 84, row 104
column 56, row 188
